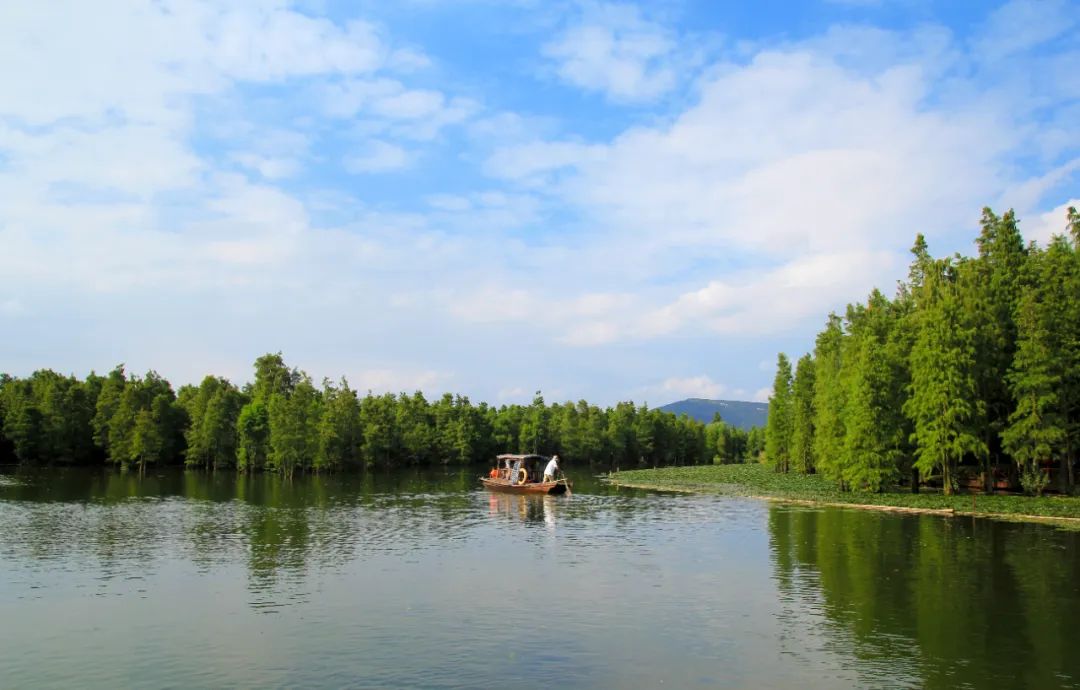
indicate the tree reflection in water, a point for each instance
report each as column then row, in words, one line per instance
column 941, row 602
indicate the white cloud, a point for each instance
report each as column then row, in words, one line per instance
column 614, row 50
column 525, row 161
column 271, row 168
column 409, row 105
column 1023, row 24
column 377, row 157
column 775, row 300
column 790, row 186
column 762, row 395
column 398, row 380
column 513, row 394
column 386, row 106
column 692, row 387
column 484, row 212
column 270, row 43
column 274, row 153
column 577, row 320
column 449, row 202
column 1044, row 226
column 137, row 58
column 750, row 303
column 813, row 167
column 787, row 154
column 1026, row 196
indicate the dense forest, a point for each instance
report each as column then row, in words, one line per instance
column 968, row 376
column 282, row 422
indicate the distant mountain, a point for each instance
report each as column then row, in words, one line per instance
column 735, row 412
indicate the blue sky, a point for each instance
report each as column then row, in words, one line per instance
column 606, row 201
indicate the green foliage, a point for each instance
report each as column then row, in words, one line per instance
column 214, row 411
column 943, row 406
column 778, row 428
column 802, row 416
column 112, row 387
column 340, row 436
column 48, row 418
column 1042, row 378
column 873, row 428
column 146, row 424
column 253, row 436
column 974, row 361
column 829, row 401
column 294, row 427
column 760, row 480
column 282, row 423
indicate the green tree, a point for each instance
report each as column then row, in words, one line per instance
column 829, row 400
column 415, row 429
column 943, row 405
column 1036, row 430
column 802, row 416
column 23, row 423
column 294, row 427
column 873, row 425
column 273, row 376
column 146, row 441
column 253, row 436
column 378, row 423
column 1042, row 378
column 991, row 286
column 112, row 387
column 755, row 444
column 340, row 435
column 214, row 412
column 779, row 425
column 622, row 435
column 536, row 436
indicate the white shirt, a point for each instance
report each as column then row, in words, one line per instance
column 551, row 467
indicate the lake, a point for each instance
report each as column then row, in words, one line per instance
column 418, row 579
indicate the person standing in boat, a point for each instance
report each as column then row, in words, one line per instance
column 551, row 469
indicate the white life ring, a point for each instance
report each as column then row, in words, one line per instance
column 523, row 476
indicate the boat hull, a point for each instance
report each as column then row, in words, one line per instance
column 527, row 488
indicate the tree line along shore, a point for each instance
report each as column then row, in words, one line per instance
column 968, row 377
column 282, row 422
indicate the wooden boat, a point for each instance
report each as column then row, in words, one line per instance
column 522, row 474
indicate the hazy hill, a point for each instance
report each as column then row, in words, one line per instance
column 735, row 412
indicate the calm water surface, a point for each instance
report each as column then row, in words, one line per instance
column 418, row 579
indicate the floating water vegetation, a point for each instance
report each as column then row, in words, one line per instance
column 763, row 482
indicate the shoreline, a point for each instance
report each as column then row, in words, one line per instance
column 748, row 490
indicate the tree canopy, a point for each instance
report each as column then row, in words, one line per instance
column 282, row 422
column 972, row 368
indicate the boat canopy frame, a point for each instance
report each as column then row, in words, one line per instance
column 527, row 457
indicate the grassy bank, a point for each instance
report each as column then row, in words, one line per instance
column 761, row 482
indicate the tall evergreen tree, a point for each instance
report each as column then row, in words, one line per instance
column 1044, row 375
column 340, row 435
column 991, row 286
column 943, row 405
column 802, row 417
column 779, row 424
column 873, row 425
column 294, row 427
column 1036, row 430
column 107, row 402
column 829, row 400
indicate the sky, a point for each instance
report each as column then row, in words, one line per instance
column 608, row 201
